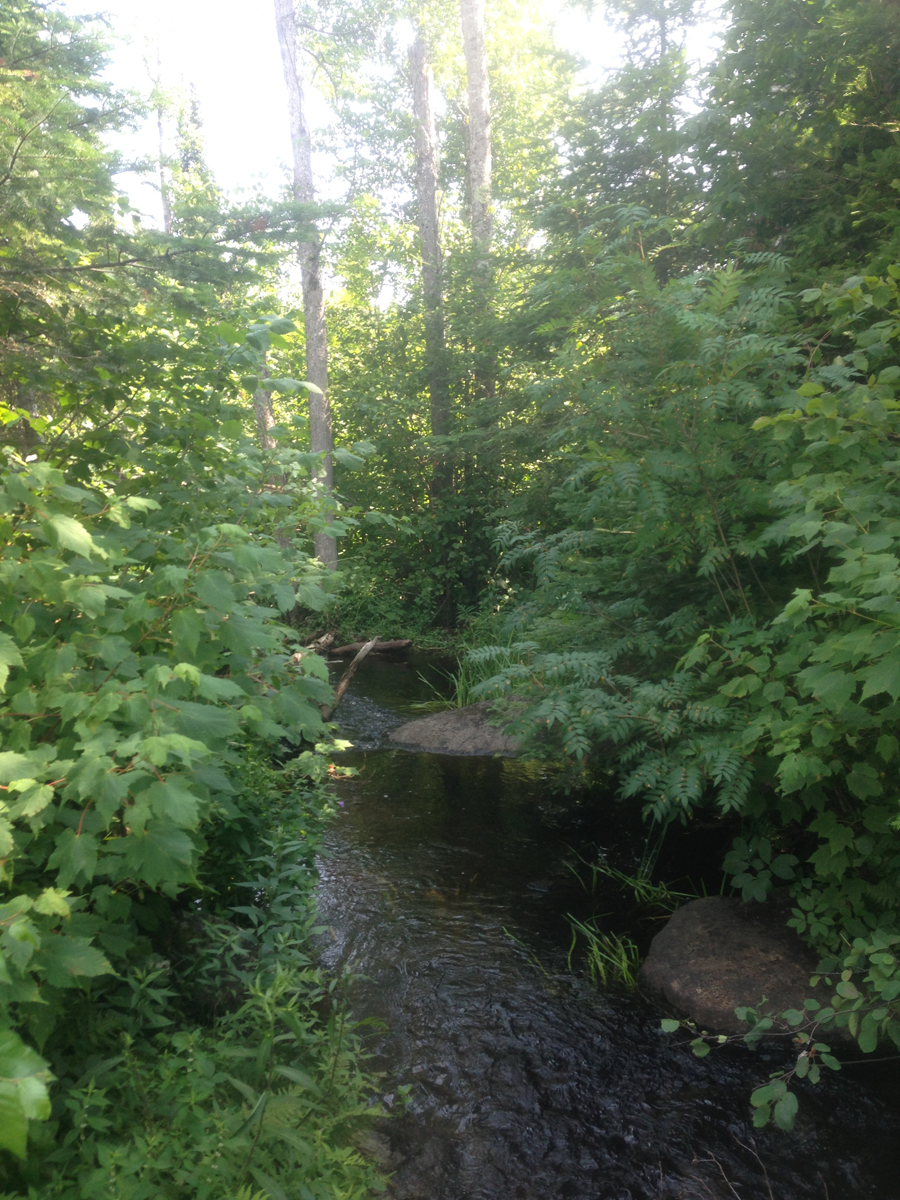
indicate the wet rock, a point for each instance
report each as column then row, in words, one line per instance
column 376, row 1146
column 466, row 730
column 718, row 954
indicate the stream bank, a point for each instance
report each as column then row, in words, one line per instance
column 445, row 891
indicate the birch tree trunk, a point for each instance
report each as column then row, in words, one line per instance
column 479, row 91
column 168, row 224
column 430, row 249
column 320, row 437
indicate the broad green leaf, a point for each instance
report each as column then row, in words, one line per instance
column 215, row 779
column 173, row 800
column 67, row 959
column 53, row 903
column 15, row 766
column 215, row 590
column 32, row 802
column 833, row 689
column 229, row 334
column 23, row 627
column 13, row 1122
column 142, row 503
column 10, row 656
column 352, row 462
column 24, row 1076
column 214, row 687
column 785, row 1111
column 75, row 857
column 187, row 629
column 160, row 857
column 156, row 749
column 203, row 722
column 884, row 676
column 284, row 596
column 70, row 534
column 867, row 1038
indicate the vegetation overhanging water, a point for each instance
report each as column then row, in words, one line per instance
column 444, row 887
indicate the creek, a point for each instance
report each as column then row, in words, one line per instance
column 444, row 889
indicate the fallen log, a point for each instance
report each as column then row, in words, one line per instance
column 328, row 710
column 390, row 644
column 321, row 643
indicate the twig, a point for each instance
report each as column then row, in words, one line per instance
column 751, row 1149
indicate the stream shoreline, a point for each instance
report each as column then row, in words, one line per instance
column 525, row 1083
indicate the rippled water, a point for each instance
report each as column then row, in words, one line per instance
column 445, row 890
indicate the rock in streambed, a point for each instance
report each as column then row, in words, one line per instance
column 465, row 730
column 717, row 954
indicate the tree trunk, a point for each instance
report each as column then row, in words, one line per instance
column 479, row 90
column 430, row 247
column 480, row 163
column 168, row 224
column 262, row 410
column 320, row 437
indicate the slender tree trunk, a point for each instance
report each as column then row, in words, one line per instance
column 163, row 181
column 262, row 410
column 430, row 247
column 479, row 90
column 479, row 178
column 320, row 437
column 666, row 117
column 160, row 133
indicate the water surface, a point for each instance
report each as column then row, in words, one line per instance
column 445, row 889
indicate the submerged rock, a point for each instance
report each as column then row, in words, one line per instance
column 718, row 954
column 458, row 731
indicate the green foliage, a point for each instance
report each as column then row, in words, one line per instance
column 611, row 959
column 783, row 710
column 272, row 1091
column 473, row 670
column 752, row 867
column 650, row 896
column 797, row 137
column 866, row 984
column 136, row 645
column 150, row 557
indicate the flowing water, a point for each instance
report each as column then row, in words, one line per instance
column 445, row 890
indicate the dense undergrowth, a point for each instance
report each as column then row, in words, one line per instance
column 163, row 1028
column 729, row 573
column 166, row 1031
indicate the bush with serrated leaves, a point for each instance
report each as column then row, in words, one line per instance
column 138, row 640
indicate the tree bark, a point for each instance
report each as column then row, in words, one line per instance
column 430, row 249
column 262, row 410
column 310, row 255
column 168, row 224
column 478, row 87
column 479, row 91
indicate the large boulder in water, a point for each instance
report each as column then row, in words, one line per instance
column 465, row 730
column 718, row 954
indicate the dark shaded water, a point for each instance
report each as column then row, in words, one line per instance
column 446, row 889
